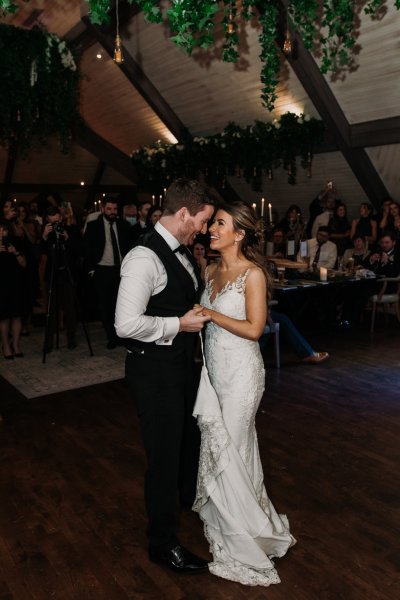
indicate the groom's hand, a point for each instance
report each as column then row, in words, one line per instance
column 192, row 321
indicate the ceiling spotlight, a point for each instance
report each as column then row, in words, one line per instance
column 82, row 183
column 99, row 56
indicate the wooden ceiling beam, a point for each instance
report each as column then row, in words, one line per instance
column 104, row 151
column 320, row 94
column 381, row 132
column 142, row 83
column 66, row 187
column 101, row 166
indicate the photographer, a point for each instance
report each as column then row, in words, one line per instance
column 58, row 246
column 12, row 265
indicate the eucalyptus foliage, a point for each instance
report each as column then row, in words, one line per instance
column 39, row 88
column 250, row 152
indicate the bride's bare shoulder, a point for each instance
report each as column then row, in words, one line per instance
column 211, row 268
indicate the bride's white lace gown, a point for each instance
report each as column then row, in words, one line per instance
column 242, row 526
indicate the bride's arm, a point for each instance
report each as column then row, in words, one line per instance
column 253, row 325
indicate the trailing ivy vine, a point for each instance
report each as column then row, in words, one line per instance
column 39, row 93
column 250, row 152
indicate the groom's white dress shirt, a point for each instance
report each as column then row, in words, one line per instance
column 143, row 275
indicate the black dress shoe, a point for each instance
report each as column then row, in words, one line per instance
column 179, row 560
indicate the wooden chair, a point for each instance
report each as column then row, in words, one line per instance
column 386, row 300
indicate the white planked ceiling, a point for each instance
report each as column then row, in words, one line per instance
column 206, row 93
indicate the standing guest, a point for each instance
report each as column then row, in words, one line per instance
column 242, row 526
column 140, row 227
column 34, row 212
column 154, row 215
column 106, row 241
column 129, row 213
column 292, row 224
column 199, row 252
column 365, row 225
column 340, row 229
column 391, row 219
column 159, row 283
column 325, row 218
column 12, row 265
column 318, row 205
column 320, row 251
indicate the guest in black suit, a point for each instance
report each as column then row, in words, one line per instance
column 155, row 314
column 141, row 226
column 106, row 241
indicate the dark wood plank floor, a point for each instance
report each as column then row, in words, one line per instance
column 72, row 517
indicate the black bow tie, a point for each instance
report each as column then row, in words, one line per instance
column 182, row 249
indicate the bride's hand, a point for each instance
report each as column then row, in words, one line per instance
column 201, row 311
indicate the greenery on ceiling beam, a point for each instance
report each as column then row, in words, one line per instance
column 329, row 28
column 251, row 152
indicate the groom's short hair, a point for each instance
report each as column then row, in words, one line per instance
column 186, row 192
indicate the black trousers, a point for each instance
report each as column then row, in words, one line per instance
column 106, row 283
column 164, row 393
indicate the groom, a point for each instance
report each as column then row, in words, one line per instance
column 159, row 286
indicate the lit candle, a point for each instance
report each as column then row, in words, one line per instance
column 95, row 205
column 323, row 274
column 160, row 200
column 262, row 206
column 254, row 205
column 15, row 201
column 165, row 191
column 153, row 199
column 270, row 212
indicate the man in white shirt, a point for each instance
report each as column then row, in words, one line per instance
column 321, row 252
column 324, row 218
column 155, row 315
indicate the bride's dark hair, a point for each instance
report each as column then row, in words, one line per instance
column 244, row 219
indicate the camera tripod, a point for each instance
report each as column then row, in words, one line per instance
column 60, row 268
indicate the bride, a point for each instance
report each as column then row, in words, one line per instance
column 240, row 522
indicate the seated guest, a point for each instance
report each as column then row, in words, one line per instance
column 358, row 253
column 340, row 229
column 320, row 251
column 279, row 242
column 365, row 225
column 325, row 218
column 391, row 213
column 299, row 344
column 384, row 263
column 140, row 227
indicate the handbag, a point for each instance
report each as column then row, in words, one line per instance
column 207, row 403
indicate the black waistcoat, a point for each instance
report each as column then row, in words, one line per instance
column 174, row 300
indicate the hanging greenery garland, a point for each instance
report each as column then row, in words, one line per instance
column 329, row 27
column 252, row 152
column 39, row 93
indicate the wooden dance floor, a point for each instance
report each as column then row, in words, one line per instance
column 72, row 516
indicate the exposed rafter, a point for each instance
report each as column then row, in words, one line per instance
column 95, row 183
column 142, row 83
column 104, row 151
column 375, row 133
column 320, row 94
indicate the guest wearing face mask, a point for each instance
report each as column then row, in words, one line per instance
column 129, row 213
